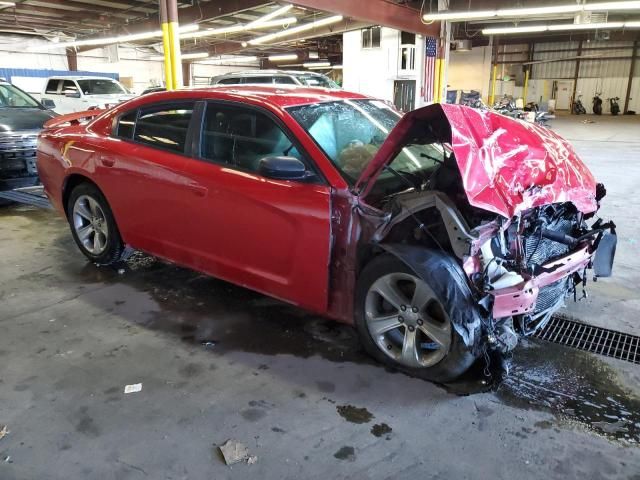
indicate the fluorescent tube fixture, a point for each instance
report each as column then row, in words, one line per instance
column 110, row 40
column 210, row 32
column 292, row 31
column 561, row 28
column 316, row 64
column 506, row 30
column 462, row 16
column 283, row 58
column 236, row 59
column 337, row 67
column 7, row 4
column 270, row 16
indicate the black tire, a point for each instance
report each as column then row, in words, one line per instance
column 459, row 357
column 114, row 247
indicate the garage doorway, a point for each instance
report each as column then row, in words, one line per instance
column 404, row 95
column 562, row 90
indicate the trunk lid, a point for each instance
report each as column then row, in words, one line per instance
column 506, row 165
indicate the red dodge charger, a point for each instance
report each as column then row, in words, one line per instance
column 442, row 234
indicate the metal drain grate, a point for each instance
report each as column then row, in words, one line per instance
column 592, row 339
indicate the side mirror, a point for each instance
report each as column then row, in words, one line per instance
column 72, row 94
column 48, row 103
column 283, row 168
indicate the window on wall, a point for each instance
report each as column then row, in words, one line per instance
column 371, row 37
column 407, row 51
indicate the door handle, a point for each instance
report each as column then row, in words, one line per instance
column 107, row 161
column 198, row 190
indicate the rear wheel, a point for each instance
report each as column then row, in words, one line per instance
column 92, row 225
column 403, row 323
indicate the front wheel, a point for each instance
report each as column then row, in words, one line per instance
column 404, row 324
column 93, row 226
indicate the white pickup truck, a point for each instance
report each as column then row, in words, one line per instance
column 76, row 94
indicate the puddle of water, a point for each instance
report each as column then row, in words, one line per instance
column 576, row 386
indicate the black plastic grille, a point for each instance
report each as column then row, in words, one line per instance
column 550, row 295
column 602, row 341
column 18, row 155
column 541, row 250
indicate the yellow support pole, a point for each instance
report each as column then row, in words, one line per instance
column 166, row 45
column 492, row 97
column 526, row 86
column 436, row 82
column 441, row 84
column 174, row 43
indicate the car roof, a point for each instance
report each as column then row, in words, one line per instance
column 79, row 77
column 276, row 95
column 270, row 72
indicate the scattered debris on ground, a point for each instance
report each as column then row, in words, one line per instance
column 134, row 388
column 354, row 414
column 234, row 452
column 588, row 121
column 4, row 431
column 380, row 429
column 209, row 343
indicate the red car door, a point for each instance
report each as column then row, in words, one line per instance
column 269, row 235
column 141, row 172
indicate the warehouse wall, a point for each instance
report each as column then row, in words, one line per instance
column 373, row 71
column 130, row 62
column 608, row 77
column 470, row 71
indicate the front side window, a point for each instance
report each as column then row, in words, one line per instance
column 241, row 137
column 164, row 126
column 285, row 80
column 13, row 97
column 251, row 80
column 351, row 132
column 230, row 81
column 101, row 86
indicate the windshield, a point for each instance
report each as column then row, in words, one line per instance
column 317, row 81
column 102, row 86
column 351, row 132
column 13, row 97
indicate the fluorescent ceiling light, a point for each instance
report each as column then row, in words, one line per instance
column 7, row 4
column 585, row 26
column 601, row 6
column 316, row 64
column 239, row 28
column 337, row 67
column 503, row 30
column 269, row 16
column 430, row 17
column 184, row 56
column 110, row 40
column 560, row 28
column 283, row 58
column 530, row 11
column 523, row 12
column 292, row 31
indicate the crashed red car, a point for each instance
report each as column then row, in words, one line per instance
column 443, row 234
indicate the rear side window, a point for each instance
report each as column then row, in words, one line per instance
column 126, row 125
column 164, row 126
column 52, row 87
column 258, row 80
column 285, row 80
column 69, row 86
column 230, row 81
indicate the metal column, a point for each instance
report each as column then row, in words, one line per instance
column 174, row 42
column 631, row 71
column 166, row 45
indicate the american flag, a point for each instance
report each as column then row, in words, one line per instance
column 431, row 51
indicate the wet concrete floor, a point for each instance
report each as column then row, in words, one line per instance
column 218, row 362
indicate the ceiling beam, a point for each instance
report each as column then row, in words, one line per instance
column 378, row 12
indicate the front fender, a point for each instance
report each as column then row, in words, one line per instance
column 443, row 274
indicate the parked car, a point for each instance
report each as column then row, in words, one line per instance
column 441, row 235
column 21, row 119
column 280, row 77
column 75, row 94
column 153, row 90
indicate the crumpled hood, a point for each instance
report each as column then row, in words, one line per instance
column 507, row 165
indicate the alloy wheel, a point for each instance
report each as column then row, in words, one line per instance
column 90, row 224
column 407, row 321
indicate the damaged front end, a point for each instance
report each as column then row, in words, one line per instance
column 513, row 206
